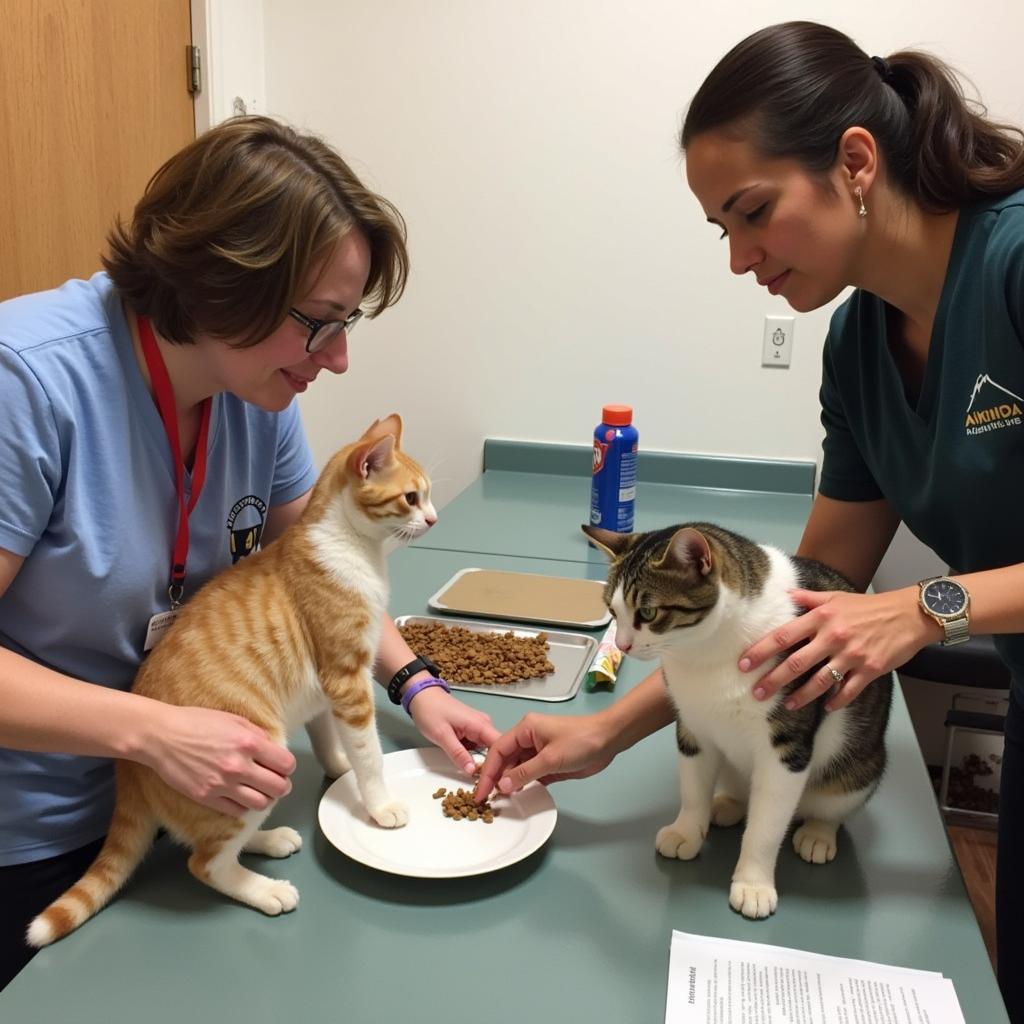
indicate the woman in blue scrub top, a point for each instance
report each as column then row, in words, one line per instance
column 251, row 256
column 825, row 168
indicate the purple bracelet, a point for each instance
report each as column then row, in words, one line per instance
column 421, row 685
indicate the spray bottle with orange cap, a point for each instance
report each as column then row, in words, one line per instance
column 613, row 487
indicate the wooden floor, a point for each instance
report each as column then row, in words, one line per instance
column 975, row 851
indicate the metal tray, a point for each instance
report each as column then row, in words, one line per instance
column 570, row 653
column 524, row 597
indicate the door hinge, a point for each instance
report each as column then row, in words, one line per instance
column 194, row 67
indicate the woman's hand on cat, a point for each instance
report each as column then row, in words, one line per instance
column 453, row 726
column 547, row 748
column 219, row 759
column 861, row 636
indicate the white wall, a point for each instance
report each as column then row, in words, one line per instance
column 559, row 262
column 229, row 34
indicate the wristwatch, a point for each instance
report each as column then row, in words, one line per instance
column 420, row 663
column 949, row 604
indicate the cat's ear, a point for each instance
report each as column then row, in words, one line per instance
column 390, row 426
column 613, row 544
column 367, row 459
column 687, row 549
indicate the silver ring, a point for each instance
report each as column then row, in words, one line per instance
column 835, row 673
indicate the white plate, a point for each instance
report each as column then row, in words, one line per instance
column 431, row 845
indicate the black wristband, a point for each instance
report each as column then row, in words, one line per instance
column 418, row 664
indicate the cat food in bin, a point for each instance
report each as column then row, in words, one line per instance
column 502, row 659
column 465, row 656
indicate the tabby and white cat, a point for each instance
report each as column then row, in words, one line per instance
column 287, row 636
column 696, row 596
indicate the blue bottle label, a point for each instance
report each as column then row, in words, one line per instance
column 613, row 488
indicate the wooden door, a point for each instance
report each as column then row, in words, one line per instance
column 93, row 98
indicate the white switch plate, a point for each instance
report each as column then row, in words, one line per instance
column 778, row 340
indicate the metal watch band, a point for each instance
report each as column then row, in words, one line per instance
column 418, row 664
column 957, row 631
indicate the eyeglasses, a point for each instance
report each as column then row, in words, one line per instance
column 323, row 332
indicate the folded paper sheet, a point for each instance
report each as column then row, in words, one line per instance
column 723, row 981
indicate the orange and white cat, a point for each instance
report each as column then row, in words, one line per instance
column 288, row 636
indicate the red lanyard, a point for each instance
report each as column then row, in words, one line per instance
column 164, row 393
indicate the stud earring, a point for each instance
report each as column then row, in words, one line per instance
column 862, row 210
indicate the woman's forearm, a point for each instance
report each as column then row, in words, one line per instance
column 997, row 599
column 44, row 710
column 642, row 711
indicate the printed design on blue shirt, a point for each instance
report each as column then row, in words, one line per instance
column 992, row 407
column 249, row 513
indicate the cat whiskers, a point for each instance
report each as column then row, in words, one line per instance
column 406, row 532
column 434, row 465
column 647, row 652
column 432, row 468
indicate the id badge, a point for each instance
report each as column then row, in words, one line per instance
column 158, row 625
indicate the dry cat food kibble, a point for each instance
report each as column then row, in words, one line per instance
column 467, row 657
column 460, row 804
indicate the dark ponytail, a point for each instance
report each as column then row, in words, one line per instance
column 798, row 86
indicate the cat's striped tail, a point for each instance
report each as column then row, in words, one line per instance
column 132, row 829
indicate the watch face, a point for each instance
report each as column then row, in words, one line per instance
column 945, row 597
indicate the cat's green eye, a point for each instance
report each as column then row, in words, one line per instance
column 412, row 498
column 647, row 614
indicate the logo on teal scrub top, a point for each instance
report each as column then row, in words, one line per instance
column 245, row 525
column 992, row 407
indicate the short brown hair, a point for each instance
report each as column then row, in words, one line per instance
column 232, row 225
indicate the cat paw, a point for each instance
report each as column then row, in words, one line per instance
column 752, row 899
column 391, row 815
column 275, row 842
column 335, row 764
column 725, row 811
column 815, row 841
column 274, row 896
column 679, row 840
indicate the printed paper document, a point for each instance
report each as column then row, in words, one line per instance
column 721, row 981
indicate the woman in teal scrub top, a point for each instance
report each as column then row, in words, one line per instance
column 825, row 168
